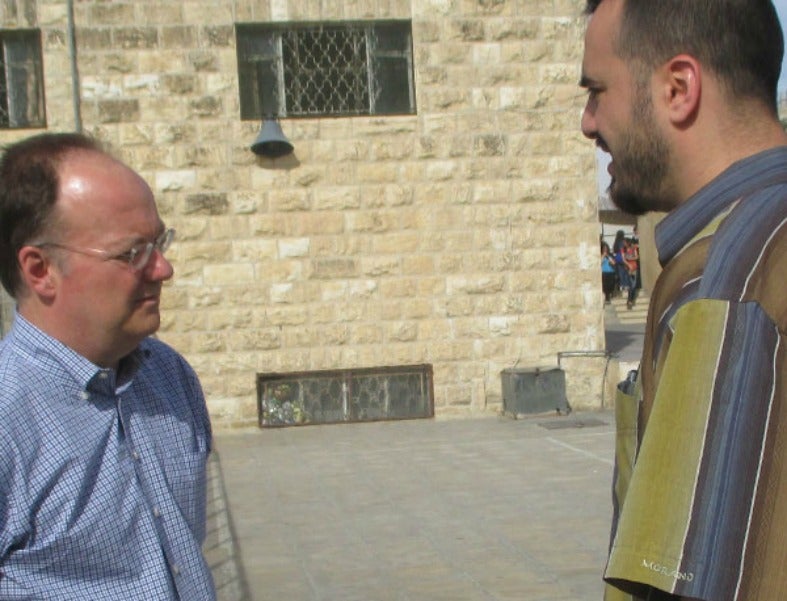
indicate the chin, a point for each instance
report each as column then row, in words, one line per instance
column 146, row 325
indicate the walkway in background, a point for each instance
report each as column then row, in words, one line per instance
column 625, row 329
column 487, row 509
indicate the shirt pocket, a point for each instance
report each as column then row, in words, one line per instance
column 186, row 475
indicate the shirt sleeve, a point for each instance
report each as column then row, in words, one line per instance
column 13, row 521
column 684, row 522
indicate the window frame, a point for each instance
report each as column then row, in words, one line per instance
column 260, row 46
column 29, row 70
column 342, row 400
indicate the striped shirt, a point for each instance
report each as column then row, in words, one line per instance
column 102, row 474
column 701, row 472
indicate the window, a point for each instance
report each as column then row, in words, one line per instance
column 357, row 395
column 21, row 79
column 308, row 70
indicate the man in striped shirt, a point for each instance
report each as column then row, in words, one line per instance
column 683, row 97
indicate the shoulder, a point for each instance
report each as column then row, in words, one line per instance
column 159, row 355
column 166, row 376
column 747, row 259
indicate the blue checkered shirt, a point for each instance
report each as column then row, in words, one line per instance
column 102, row 474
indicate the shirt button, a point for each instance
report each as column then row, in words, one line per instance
column 85, row 395
column 156, row 512
column 135, row 455
column 176, row 569
column 103, row 375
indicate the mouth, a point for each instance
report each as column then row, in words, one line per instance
column 149, row 299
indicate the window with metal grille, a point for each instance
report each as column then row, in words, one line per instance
column 352, row 395
column 21, row 79
column 336, row 69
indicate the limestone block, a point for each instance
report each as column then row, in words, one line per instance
column 395, row 243
column 135, row 134
column 132, row 38
column 418, row 308
column 333, row 268
column 481, row 284
column 218, row 35
column 366, row 334
column 200, row 12
column 42, row 15
column 256, row 339
column 168, row 181
column 206, row 204
column 258, row 251
column 227, row 319
column 101, row 87
column 228, row 274
column 379, row 266
column 293, row 247
column 202, row 252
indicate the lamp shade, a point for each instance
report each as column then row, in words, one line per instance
column 271, row 141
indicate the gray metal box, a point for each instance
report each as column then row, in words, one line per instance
column 534, row 390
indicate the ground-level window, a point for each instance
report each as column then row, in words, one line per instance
column 351, row 395
column 325, row 69
column 21, row 79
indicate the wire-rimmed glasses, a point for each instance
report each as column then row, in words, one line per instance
column 137, row 257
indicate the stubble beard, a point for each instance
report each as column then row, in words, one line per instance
column 642, row 164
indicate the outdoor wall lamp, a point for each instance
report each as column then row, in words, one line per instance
column 271, row 141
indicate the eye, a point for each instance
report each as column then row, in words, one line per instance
column 592, row 92
column 131, row 253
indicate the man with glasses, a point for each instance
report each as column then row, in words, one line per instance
column 104, row 433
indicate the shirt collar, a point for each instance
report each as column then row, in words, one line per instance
column 53, row 355
column 682, row 224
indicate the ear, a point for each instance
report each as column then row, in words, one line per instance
column 37, row 272
column 681, row 88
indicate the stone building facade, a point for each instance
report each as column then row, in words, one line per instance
column 464, row 236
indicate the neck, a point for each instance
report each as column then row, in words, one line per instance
column 77, row 341
column 720, row 147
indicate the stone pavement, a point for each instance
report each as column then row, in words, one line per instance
column 485, row 509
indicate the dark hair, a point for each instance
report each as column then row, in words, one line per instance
column 29, row 185
column 741, row 41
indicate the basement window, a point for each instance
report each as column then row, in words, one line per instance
column 325, row 69
column 356, row 395
column 21, row 79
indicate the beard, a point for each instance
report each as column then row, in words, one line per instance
column 641, row 164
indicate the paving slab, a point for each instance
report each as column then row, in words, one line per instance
column 484, row 509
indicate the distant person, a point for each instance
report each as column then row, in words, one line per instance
column 635, row 241
column 630, row 255
column 620, row 264
column 104, row 433
column 608, row 276
column 683, row 97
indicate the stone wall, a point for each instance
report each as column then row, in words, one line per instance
column 465, row 236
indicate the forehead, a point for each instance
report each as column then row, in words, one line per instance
column 98, row 191
column 600, row 60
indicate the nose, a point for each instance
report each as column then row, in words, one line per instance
column 158, row 268
column 588, row 122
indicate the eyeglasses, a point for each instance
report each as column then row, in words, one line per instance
column 137, row 257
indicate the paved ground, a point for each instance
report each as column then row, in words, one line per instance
column 625, row 328
column 426, row 510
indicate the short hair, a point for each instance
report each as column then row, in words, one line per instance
column 29, row 186
column 740, row 41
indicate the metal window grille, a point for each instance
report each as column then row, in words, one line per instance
column 359, row 395
column 21, row 79
column 338, row 69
